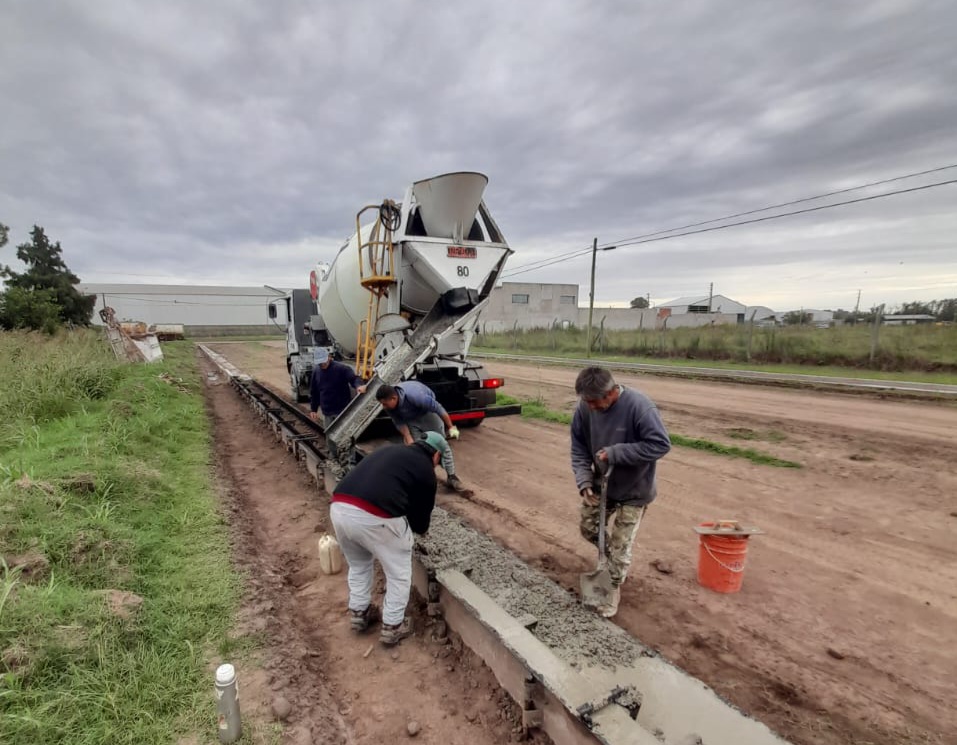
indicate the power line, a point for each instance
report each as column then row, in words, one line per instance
column 542, row 263
column 789, row 214
column 654, row 237
column 786, row 204
column 552, row 259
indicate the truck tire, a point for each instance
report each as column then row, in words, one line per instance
column 296, row 392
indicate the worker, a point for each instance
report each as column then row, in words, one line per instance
column 620, row 427
column 415, row 411
column 330, row 390
column 384, row 499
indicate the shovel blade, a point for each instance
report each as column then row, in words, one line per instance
column 596, row 587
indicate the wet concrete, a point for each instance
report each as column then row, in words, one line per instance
column 577, row 635
column 595, row 655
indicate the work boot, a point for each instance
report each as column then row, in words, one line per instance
column 609, row 609
column 455, row 483
column 361, row 620
column 392, row 635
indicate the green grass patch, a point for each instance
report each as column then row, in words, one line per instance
column 918, row 353
column 536, row 409
column 106, row 489
column 755, row 456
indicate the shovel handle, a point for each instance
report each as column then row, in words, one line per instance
column 602, row 513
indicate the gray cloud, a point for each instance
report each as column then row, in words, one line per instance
column 234, row 141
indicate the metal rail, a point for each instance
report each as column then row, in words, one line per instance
column 941, row 390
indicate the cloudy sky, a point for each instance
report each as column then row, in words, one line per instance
column 231, row 141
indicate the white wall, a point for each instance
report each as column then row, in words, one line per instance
column 547, row 304
column 183, row 304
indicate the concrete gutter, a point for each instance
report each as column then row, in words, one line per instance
column 578, row 677
column 593, row 676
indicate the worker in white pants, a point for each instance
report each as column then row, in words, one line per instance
column 376, row 508
column 364, row 537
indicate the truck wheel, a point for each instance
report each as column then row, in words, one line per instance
column 296, row 393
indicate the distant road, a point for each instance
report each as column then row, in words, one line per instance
column 752, row 376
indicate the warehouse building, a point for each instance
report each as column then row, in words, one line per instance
column 527, row 305
column 706, row 304
column 200, row 310
column 221, row 310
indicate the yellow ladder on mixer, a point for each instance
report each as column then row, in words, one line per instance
column 377, row 275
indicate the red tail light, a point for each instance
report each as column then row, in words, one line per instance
column 466, row 416
column 493, row 382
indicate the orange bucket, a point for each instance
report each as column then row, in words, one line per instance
column 721, row 557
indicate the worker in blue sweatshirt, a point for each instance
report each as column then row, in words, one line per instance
column 615, row 426
column 330, row 390
column 415, row 411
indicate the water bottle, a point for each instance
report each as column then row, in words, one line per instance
column 227, row 704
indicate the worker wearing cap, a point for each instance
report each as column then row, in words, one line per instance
column 415, row 411
column 330, row 390
column 376, row 508
column 615, row 426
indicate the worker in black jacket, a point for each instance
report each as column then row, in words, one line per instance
column 375, row 510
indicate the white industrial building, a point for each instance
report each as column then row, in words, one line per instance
column 527, row 305
column 706, row 304
column 219, row 310
column 908, row 320
column 201, row 310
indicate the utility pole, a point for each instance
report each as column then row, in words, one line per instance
column 591, row 297
column 648, row 298
column 857, row 306
column 591, row 294
column 710, row 295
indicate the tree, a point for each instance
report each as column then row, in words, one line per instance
column 29, row 309
column 639, row 302
column 49, row 277
column 796, row 317
column 918, row 309
column 946, row 309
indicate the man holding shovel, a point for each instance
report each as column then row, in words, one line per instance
column 617, row 437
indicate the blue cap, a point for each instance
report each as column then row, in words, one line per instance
column 320, row 355
column 435, row 441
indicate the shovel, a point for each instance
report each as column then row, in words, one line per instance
column 596, row 587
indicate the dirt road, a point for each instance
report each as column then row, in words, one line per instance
column 846, row 628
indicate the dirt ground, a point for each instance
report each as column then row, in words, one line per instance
column 846, row 628
column 337, row 687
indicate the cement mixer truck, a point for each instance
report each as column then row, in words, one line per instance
column 403, row 298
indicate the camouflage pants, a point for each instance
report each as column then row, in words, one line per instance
column 619, row 539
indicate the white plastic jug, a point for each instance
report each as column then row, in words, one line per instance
column 330, row 555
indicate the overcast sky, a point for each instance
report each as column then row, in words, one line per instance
column 231, row 141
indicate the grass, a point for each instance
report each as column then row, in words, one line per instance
column 105, row 481
column 745, row 433
column 755, row 456
column 924, row 353
column 536, row 409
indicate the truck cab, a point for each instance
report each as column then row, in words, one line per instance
column 295, row 314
